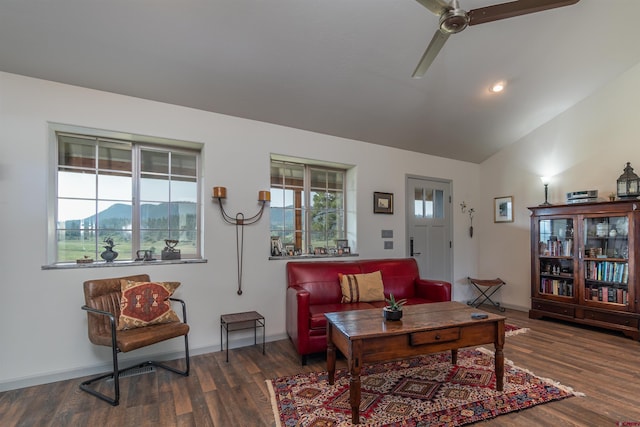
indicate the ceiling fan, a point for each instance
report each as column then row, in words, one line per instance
column 453, row 20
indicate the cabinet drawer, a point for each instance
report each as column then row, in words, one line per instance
column 553, row 308
column 618, row 319
column 430, row 337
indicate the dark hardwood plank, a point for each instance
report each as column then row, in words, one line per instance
column 602, row 364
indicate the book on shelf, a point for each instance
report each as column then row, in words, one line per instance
column 556, row 287
column 560, row 247
column 607, row 271
column 607, row 294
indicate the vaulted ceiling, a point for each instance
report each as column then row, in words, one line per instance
column 338, row 67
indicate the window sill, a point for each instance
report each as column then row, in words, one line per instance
column 310, row 256
column 99, row 264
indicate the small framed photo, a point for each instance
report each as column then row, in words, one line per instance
column 346, row 250
column 341, row 243
column 289, row 250
column 319, row 251
column 276, row 246
column 383, row 203
column 503, row 209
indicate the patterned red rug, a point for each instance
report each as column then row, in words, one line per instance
column 510, row 330
column 421, row 391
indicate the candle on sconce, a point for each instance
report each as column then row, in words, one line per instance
column 264, row 196
column 220, row 192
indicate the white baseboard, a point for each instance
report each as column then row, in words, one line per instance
column 63, row 375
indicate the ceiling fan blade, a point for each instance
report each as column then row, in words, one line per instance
column 436, row 7
column 438, row 40
column 514, row 8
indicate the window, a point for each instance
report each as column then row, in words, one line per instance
column 307, row 205
column 428, row 203
column 138, row 193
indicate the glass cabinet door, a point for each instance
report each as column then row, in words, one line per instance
column 556, row 260
column 606, row 259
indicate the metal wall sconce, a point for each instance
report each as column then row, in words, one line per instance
column 463, row 208
column 545, row 181
column 240, row 221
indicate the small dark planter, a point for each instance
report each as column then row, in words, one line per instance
column 391, row 314
column 109, row 255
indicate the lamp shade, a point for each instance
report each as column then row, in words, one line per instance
column 628, row 184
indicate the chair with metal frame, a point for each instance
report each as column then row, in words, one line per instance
column 102, row 302
column 486, row 288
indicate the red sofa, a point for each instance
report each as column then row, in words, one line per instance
column 313, row 288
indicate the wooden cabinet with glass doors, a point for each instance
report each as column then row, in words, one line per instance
column 583, row 264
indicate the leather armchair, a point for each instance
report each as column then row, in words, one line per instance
column 102, row 304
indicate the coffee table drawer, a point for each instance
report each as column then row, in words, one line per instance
column 430, row 337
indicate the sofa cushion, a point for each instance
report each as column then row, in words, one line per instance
column 399, row 275
column 146, row 303
column 317, row 321
column 320, row 279
column 362, row 287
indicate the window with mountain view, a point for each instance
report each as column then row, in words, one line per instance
column 137, row 194
column 307, row 205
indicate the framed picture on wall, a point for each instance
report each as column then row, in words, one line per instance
column 503, row 209
column 383, row 203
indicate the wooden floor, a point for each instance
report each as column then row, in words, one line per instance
column 603, row 365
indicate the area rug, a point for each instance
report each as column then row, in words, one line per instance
column 511, row 330
column 421, row 391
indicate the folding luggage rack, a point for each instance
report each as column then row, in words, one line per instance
column 486, row 288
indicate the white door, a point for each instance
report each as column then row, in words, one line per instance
column 429, row 226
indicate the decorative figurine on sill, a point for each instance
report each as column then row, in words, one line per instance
column 170, row 251
column 109, row 254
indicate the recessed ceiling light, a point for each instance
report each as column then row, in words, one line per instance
column 497, row 87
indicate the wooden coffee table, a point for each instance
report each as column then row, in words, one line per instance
column 363, row 336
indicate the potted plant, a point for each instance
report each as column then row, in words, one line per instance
column 393, row 310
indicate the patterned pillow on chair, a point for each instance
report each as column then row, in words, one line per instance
column 146, row 303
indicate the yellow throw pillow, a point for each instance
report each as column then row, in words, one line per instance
column 146, row 303
column 362, row 287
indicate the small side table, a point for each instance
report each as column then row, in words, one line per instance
column 238, row 321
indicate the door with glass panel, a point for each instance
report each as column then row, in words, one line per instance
column 429, row 226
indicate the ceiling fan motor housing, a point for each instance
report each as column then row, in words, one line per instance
column 453, row 21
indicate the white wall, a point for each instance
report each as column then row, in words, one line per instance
column 586, row 148
column 42, row 328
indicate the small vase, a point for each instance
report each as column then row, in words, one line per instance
column 109, row 255
column 391, row 314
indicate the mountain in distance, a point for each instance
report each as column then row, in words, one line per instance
column 278, row 220
column 121, row 212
